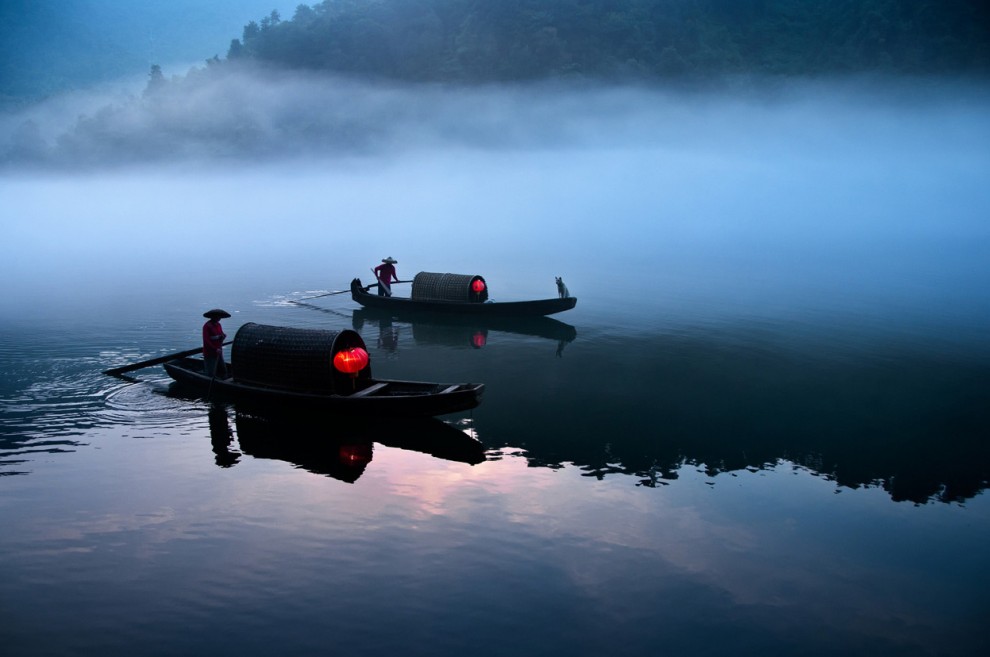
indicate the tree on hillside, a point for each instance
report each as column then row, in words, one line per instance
column 156, row 80
column 482, row 40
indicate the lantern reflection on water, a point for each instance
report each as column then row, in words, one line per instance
column 350, row 361
column 359, row 454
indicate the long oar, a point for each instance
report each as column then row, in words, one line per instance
column 330, row 294
column 154, row 361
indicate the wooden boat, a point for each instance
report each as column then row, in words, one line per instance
column 327, row 370
column 457, row 293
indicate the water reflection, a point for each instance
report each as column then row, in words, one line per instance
column 18, row 452
column 337, row 448
column 306, row 443
column 899, row 407
column 903, row 414
column 905, row 417
column 388, row 335
column 221, row 436
column 451, row 330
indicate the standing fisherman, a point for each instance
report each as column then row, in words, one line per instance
column 385, row 273
column 213, row 337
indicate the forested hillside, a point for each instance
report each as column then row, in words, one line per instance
column 488, row 40
column 247, row 106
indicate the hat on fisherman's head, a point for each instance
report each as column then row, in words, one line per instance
column 216, row 313
column 390, row 261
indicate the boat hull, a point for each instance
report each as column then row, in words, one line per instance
column 534, row 308
column 377, row 398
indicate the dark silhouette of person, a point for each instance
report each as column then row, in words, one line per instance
column 385, row 273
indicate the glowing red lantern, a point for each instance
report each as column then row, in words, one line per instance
column 354, row 454
column 477, row 286
column 351, row 361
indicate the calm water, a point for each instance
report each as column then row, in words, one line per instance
column 763, row 429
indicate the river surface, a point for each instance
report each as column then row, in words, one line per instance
column 764, row 429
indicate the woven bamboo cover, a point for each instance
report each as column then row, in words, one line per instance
column 292, row 358
column 430, row 286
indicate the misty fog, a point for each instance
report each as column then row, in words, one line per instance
column 823, row 195
column 245, row 116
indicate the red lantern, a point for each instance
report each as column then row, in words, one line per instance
column 351, row 361
column 478, row 286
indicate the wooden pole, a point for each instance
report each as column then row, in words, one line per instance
column 330, row 294
column 154, row 361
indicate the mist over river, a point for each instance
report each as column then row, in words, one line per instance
column 764, row 427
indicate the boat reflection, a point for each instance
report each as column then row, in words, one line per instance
column 447, row 329
column 337, row 448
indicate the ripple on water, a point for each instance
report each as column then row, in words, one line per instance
column 61, row 401
column 72, row 397
column 150, row 402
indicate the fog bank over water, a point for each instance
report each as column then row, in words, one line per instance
column 827, row 197
column 242, row 116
